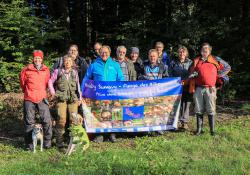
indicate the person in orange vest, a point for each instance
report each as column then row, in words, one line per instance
column 207, row 70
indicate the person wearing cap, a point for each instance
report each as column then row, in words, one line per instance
column 138, row 63
column 34, row 81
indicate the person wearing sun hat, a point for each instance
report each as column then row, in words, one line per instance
column 34, row 82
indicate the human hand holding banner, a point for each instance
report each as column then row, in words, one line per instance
column 132, row 106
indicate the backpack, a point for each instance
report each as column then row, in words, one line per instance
column 218, row 65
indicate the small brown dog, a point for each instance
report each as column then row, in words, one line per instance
column 37, row 134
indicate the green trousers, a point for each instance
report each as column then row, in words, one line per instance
column 63, row 108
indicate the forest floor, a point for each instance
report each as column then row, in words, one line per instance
column 228, row 152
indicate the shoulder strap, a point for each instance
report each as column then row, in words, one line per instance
column 212, row 59
column 59, row 75
column 60, row 62
column 196, row 60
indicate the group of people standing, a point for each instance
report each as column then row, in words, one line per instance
column 70, row 72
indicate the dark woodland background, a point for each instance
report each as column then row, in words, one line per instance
column 52, row 25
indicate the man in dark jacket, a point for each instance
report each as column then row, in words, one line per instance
column 80, row 63
column 138, row 63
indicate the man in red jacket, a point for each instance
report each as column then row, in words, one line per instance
column 34, row 81
column 206, row 69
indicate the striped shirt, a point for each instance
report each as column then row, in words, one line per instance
column 124, row 68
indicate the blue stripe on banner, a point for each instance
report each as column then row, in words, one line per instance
column 133, row 129
column 113, row 90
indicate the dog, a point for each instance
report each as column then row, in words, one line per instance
column 78, row 135
column 37, row 134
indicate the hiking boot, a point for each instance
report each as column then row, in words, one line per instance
column 160, row 132
column 29, row 147
column 113, row 138
column 98, row 139
column 185, row 126
column 62, row 149
column 47, row 147
column 211, row 124
column 199, row 130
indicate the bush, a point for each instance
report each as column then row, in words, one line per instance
column 9, row 73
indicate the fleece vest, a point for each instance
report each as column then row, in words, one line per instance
column 66, row 88
column 207, row 74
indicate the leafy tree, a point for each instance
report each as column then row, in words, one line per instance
column 21, row 33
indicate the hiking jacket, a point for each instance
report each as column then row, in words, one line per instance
column 103, row 71
column 165, row 59
column 34, row 82
column 207, row 72
column 139, row 67
column 178, row 69
column 132, row 76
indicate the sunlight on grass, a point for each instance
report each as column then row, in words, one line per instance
column 173, row 153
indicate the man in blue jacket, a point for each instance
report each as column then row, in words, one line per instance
column 104, row 69
column 163, row 56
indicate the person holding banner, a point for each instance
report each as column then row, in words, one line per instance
column 180, row 68
column 206, row 71
column 153, row 69
column 104, row 69
column 68, row 96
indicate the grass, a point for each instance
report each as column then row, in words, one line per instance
column 173, row 153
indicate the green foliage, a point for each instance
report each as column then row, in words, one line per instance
column 20, row 32
column 9, row 73
column 246, row 107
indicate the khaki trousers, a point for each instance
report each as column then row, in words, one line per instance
column 63, row 108
column 205, row 100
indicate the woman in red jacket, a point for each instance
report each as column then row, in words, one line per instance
column 34, row 81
